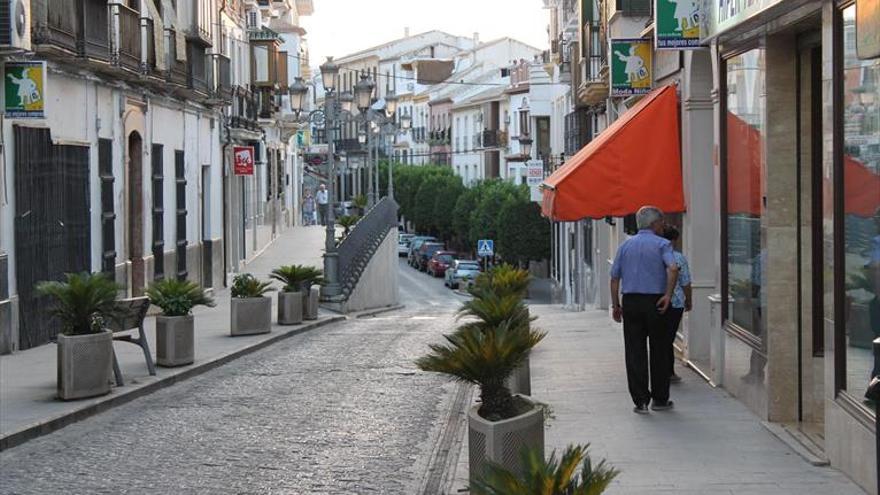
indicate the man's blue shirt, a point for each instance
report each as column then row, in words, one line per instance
column 641, row 263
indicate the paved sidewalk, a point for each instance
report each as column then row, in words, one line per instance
column 28, row 406
column 709, row 444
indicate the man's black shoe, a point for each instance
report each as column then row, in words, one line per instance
column 662, row 406
column 674, row 378
column 641, row 409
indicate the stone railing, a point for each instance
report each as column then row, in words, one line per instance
column 356, row 250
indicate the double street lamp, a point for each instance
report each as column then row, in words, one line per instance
column 338, row 109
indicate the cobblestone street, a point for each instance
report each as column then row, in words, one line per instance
column 341, row 409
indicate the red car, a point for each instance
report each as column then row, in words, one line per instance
column 440, row 261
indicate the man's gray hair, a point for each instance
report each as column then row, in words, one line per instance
column 647, row 215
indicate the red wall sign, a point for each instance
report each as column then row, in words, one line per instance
column 243, row 160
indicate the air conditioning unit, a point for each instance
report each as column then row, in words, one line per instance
column 15, row 26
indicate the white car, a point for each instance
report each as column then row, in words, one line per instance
column 461, row 272
column 403, row 248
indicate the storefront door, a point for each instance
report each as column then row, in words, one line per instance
column 810, row 248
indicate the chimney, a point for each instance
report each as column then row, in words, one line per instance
column 406, row 32
column 476, row 38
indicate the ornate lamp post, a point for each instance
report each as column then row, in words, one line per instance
column 525, row 146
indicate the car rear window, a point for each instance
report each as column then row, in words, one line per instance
column 446, row 258
column 468, row 266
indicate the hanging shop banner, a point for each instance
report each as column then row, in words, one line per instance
column 867, row 29
column 24, row 86
column 718, row 16
column 677, row 25
column 534, row 173
column 630, row 67
column 243, row 160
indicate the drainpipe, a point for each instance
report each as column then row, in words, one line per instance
column 227, row 221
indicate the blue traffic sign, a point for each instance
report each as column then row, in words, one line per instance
column 485, row 247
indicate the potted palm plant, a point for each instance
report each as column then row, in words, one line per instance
column 309, row 277
column 250, row 310
column 360, row 202
column 294, row 296
column 502, row 422
column 573, row 474
column 347, row 222
column 175, row 326
column 83, row 301
column 497, row 293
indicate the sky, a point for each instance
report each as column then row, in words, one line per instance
column 340, row 27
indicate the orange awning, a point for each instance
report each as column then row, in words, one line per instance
column 636, row 161
column 862, row 188
column 744, row 171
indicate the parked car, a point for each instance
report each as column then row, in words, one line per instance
column 406, row 237
column 403, row 247
column 439, row 263
column 461, row 272
column 426, row 251
column 414, row 246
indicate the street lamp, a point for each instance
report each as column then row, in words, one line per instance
column 525, row 145
column 297, row 93
column 362, row 136
column 345, row 101
column 329, row 71
column 363, row 93
column 405, row 122
column 390, row 104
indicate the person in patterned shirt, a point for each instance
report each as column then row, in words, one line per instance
column 681, row 298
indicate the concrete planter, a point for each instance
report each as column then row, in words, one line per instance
column 502, row 441
column 84, row 365
column 520, row 381
column 174, row 340
column 310, row 304
column 290, row 308
column 250, row 315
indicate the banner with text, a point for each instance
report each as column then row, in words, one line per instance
column 24, row 86
column 630, row 67
column 677, row 24
column 243, row 160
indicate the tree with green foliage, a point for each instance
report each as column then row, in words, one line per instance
column 525, row 235
column 484, row 219
column 461, row 217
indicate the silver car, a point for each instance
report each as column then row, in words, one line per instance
column 461, row 272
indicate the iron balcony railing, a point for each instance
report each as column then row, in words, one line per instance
column 362, row 242
column 80, row 27
column 151, row 46
column 578, row 131
column 177, row 71
column 491, row 138
column 224, row 76
column 244, row 110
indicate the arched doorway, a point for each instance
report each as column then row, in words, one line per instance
column 135, row 231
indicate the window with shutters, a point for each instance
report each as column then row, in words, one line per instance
column 108, row 214
column 158, row 179
column 180, row 190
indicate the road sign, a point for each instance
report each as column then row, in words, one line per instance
column 485, row 247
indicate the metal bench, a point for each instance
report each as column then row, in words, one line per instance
column 129, row 315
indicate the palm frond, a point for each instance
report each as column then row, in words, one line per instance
column 178, row 297
column 82, row 301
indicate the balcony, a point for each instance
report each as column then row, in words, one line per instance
column 348, row 145
column 224, row 76
column 267, row 102
column 78, row 27
column 128, row 48
column 635, row 8
column 593, row 89
column 419, row 134
column 491, row 138
column 244, row 110
column 177, row 71
column 578, row 130
column 200, row 72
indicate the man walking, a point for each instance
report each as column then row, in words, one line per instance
column 681, row 298
column 645, row 272
column 323, row 203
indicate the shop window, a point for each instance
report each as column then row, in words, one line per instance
column 744, row 161
column 860, row 166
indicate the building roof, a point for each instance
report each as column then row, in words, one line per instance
column 490, row 93
column 367, row 52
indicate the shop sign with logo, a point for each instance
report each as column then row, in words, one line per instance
column 243, row 160
column 630, row 67
column 721, row 15
column 24, row 85
column 534, row 173
column 677, row 24
column 868, row 29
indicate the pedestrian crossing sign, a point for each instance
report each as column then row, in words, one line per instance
column 486, row 247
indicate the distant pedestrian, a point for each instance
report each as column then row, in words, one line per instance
column 308, row 208
column 645, row 268
column 323, row 203
column 681, row 298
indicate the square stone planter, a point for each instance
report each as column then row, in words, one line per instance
column 501, row 442
column 85, row 363
column 310, row 304
column 250, row 315
column 174, row 340
column 520, row 381
column 290, row 308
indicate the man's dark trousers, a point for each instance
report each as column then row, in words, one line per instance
column 673, row 319
column 642, row 323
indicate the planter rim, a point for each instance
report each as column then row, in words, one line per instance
column 249, row 298
column 91, row 334
column 182, row 317
column 472, row 413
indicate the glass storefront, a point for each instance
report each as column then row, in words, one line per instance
column 745, row 98
column 861, row 235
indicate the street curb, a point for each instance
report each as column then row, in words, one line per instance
column 373, row 312
column 119, row 398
